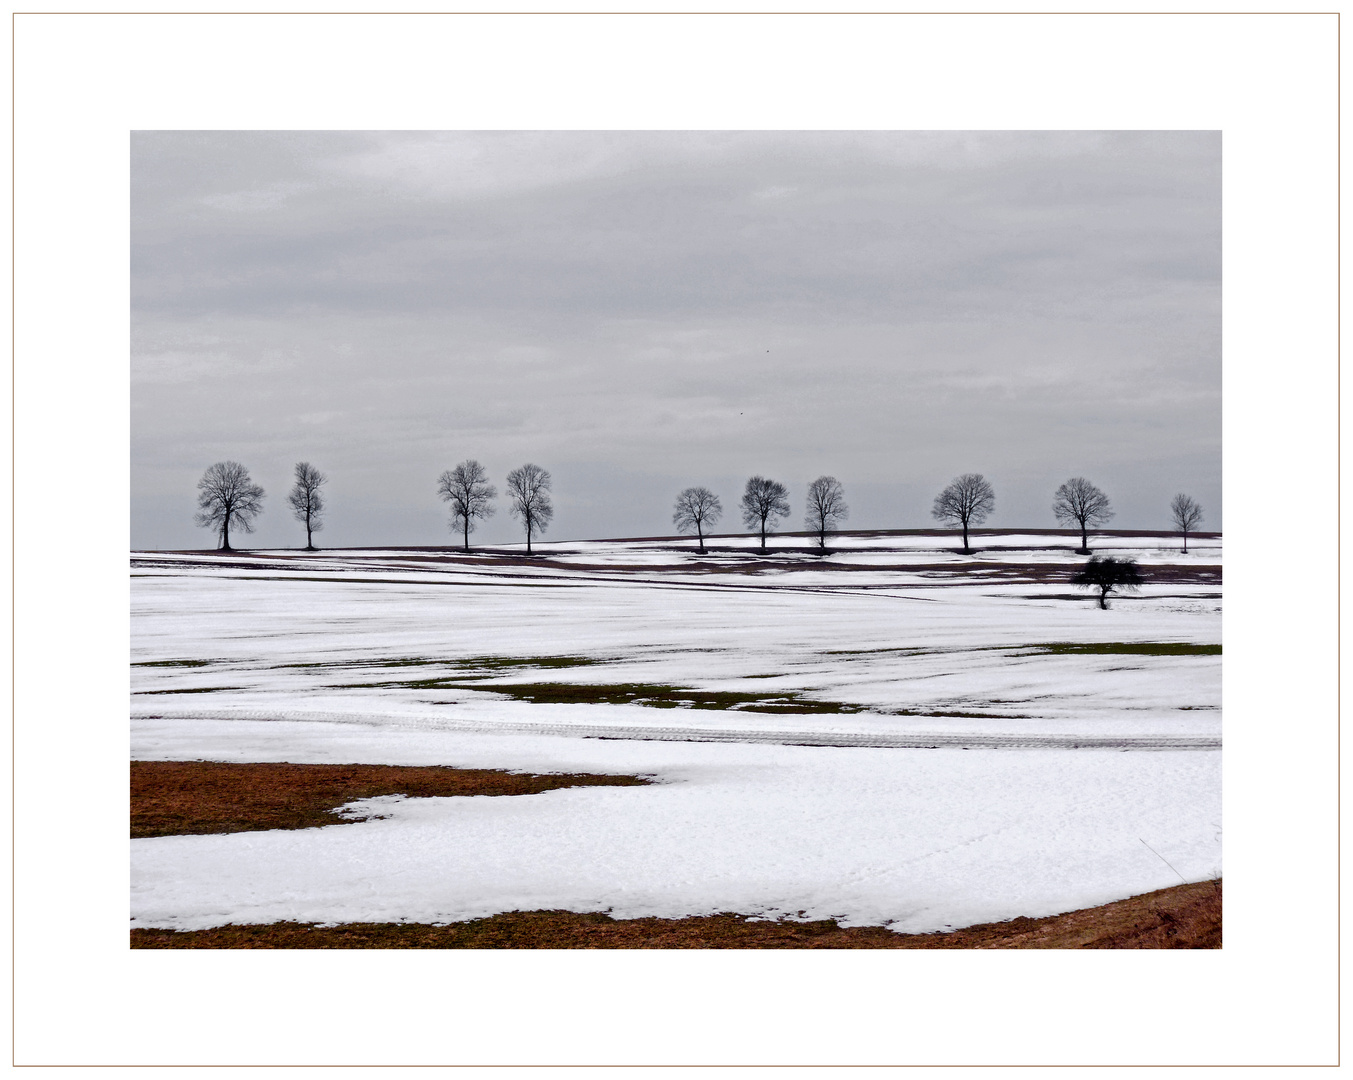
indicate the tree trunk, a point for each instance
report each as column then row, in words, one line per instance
column 225, row 534
column 1186, row 541
column 701, row 535
column 528, row 535
column 309, row 543
column 1085, row 543
column 466, row 524
column 1104, row 598
column 965, row 537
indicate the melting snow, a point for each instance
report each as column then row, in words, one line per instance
column 393, row 657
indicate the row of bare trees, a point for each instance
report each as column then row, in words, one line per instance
column 965, row 504
column 1078, row 502
column 764, row 502
column 228, row 497
column 467, row 489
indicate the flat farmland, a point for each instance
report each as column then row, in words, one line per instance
column 892, row 735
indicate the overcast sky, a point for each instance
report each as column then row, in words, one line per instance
column 638, row 312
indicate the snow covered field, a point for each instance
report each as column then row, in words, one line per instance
column 897, row 734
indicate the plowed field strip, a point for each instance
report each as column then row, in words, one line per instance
column 1182, row 917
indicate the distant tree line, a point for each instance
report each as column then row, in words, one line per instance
column 228, row 498
column 966, row 503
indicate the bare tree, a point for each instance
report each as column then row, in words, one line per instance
column 1107, row 574
column 528, row 488
column 967, row 501
column 697, row 507
column 306, row 500
column 226, row 496
column 763, row 502
column 826, row 508
column 1081, row 502
column 467, row 489
column 1187, row 514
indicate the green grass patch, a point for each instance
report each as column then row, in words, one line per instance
column 1054, row 648
column 662, row 696
column 445, row 682
column 894, row 651
column 495, row 663
column 651, row 695
column 1128, row 648
column 958, row 713
column 193, row 690
column 471, row 664
column 341, row 664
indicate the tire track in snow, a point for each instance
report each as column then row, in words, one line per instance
column 909, row 740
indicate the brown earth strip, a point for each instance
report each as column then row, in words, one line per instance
column 172, row 798
column 745, row 561
column 1182, row 917
column 683, row 543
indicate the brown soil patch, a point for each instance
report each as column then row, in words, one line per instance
column 172, row 798
column 1183, row 917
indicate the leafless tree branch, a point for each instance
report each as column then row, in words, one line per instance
column 227, row 496
column 763, row 502
column 1187, row 514
column 697, row 507
column 467, row 489
column 826, row 507
column 528, row 489
column 967, row 502
column 306, row 501
column 1081, row 502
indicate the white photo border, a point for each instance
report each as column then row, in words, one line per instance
column 84, row 82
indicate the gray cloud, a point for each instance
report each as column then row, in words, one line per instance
column 642, row 310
